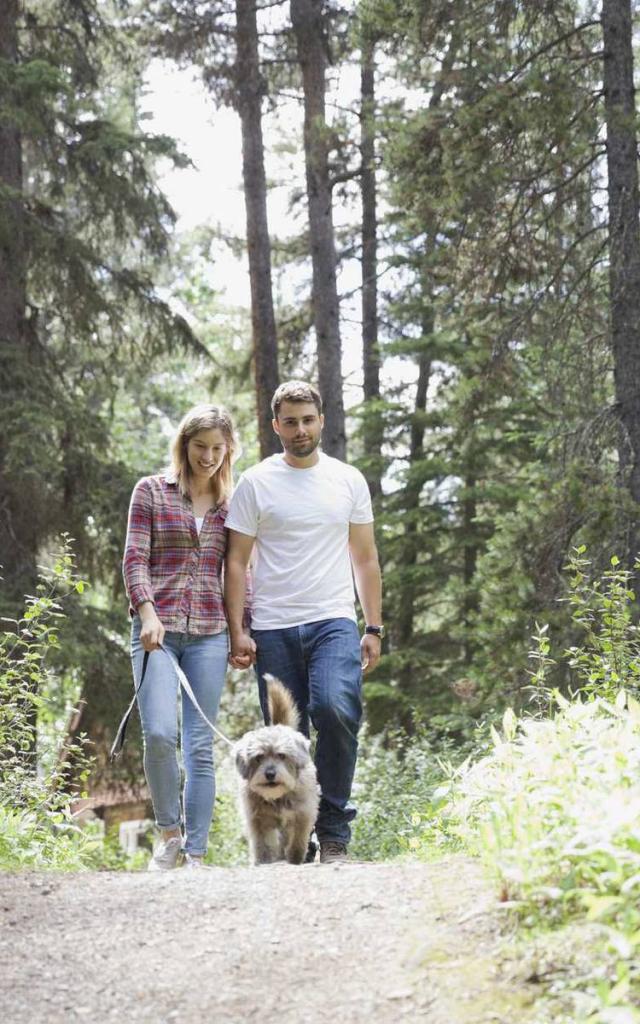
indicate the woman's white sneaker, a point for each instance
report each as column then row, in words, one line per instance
column 165, row 855
column 194, row 862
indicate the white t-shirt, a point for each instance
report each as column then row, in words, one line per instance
column 300, row 519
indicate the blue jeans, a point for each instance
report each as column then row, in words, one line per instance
column 203, row 659
column 320, row 663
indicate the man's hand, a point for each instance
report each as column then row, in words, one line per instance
column 152, row 631
column 243, row 651
column 370, row 647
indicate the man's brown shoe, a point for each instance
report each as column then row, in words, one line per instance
column 332, row 852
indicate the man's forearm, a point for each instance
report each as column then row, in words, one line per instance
column 234, row 594
column 369, row 587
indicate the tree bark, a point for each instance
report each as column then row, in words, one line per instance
column 307, row 21
column 624, row 244
column 18, row 543
column 403, row 635
column 373, row 432
column 250, row 88
column 405, row 613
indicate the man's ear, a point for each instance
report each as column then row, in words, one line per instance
column 274, row 424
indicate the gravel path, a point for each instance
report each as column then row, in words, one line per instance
column 278, row 944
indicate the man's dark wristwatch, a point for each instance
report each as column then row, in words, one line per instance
column 378, row 631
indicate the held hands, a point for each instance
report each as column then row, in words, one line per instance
column 243, row 651
column 370, row 647
column 152, row 631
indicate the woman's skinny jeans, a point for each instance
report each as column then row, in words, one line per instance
column 203, row 659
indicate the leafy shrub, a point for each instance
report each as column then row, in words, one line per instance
column 393, row 789
column 554, row 807
column 36, row 826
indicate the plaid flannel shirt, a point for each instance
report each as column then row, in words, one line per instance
column 166, row 562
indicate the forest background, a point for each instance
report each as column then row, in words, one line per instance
column 483, row 183
column 460, row 274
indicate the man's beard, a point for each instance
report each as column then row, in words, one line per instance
column 301, row 451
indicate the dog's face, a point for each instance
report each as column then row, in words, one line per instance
column 270, row 760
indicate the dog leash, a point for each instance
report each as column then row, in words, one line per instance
column 118, row 743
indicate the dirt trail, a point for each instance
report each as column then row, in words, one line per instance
column 279, row 945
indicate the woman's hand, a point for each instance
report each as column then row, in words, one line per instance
column 152, row 631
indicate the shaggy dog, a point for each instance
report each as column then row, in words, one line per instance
column 278, row 787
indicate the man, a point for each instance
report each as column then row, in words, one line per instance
column 310, row 519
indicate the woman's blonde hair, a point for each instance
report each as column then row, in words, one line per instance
column 204, row 417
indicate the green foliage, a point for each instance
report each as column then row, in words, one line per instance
column 227, row 843
column 36, row 826
column 553, row 807
column 493, row 239
column 394, row 791
column 609, row 656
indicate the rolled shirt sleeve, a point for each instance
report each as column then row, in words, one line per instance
column 135, row 565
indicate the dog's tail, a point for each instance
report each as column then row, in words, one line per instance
column 282, row 708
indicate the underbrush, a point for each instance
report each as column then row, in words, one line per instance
column 396, row 778
column 37, row 829
column 553, row 809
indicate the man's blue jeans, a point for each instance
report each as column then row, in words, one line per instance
column 203, row 659
column 320, row 663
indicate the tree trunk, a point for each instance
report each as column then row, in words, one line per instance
column 307, row 21
column 411, row 504
column 250, row 88
column 624, row 244
column 373, row 431
column 470, row 545
column 18, row 542
column 405, row 613
column 20, row 497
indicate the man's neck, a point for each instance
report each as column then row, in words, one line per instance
column 306, row 463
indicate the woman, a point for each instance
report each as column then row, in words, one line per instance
column 173, row 560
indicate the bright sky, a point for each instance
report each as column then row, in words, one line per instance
column 210, row 192
column 176, row 104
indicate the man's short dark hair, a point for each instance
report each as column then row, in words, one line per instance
column 295, row 391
